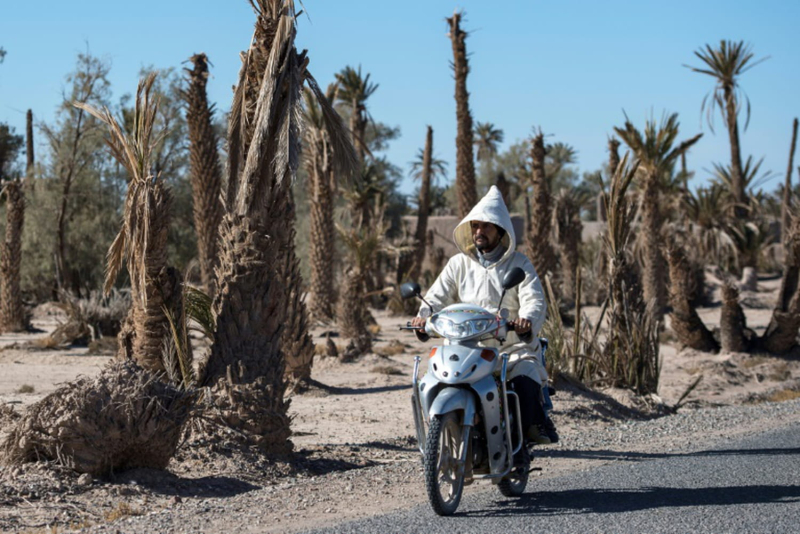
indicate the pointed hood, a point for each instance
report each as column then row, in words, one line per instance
column 491, row 208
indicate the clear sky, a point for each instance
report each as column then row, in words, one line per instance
column 570, row 67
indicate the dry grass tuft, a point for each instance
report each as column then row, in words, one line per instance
column 123, row 509
column 392, row 349
column 386, row 370
column 25, row 388
column 784, row 395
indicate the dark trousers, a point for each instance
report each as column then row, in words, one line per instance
column 530, row 398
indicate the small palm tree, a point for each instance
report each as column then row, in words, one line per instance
column 656, row 154
column 465, row 168
column 726, row 64
column 142, row 241
column 568, row 229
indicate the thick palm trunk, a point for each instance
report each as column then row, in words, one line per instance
column 204, row 169
column 12, row 313
column 732, row 320
column 421, row 232
column 540, row 251
column 465, row 166
column 353, row 311
column 504, row 187
column 246, row 365
column 782, row 332
column 687, row 325
column 29, row 155
column 654, row 271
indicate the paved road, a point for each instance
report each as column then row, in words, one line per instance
column 743, row 486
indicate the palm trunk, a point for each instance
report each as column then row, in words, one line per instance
column 465, row 167
column 504, row 187
column 540, row 251
column 204, row 169
column 296, row 343
column 421, row 232
column 30, row 160
column 353, row 311
column 322, row 293
column 737, row 178
column 568, row 221
column 12, row 313
column 654, row 272
column 732, row 320
column 687, row 325
column 782, row 331
column 787, row 187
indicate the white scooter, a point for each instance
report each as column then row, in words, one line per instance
column 473, row 421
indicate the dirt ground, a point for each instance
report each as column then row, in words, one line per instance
column 353, row 434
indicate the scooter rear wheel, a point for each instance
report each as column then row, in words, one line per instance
column 444, row 476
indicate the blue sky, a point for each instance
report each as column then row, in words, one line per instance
column 569, row 67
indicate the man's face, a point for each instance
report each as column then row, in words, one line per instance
column 484, row 235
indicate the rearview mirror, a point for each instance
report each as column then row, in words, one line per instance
column 410, row 289
column 513, row 278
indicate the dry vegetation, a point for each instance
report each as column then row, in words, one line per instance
column 211, row 359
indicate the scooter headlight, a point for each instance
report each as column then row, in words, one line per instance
column 452, row 330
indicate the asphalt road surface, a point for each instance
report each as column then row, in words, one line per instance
column 742, row 486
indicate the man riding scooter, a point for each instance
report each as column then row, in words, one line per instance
column 486, row 241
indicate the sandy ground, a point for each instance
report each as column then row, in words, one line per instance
column 354, row 434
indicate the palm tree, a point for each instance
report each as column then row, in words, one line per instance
column 487, row 140
column 317, row 159
column 787, row 187
column 12, row 312
column 568, row 230
column 246, row 365
column 465, row 168
column 204, row 169
column 726, row 64
column 142, row 240
column 354, row 91
column 654, row 150
column 426, row 169
column 540, row 251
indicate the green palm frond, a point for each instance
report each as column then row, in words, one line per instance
column 487, row 140
column 438, row 167
column 750, row 175
column 725, row 64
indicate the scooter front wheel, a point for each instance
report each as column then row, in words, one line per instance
column 444, row 474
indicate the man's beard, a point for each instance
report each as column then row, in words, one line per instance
column 484, row 246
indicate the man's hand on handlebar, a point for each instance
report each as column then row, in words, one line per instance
column 418, row 322
column 522, row 326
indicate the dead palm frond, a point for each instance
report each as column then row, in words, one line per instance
column 134, row 150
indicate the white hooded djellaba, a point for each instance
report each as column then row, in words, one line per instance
column 465, row 280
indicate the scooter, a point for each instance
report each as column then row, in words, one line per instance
column 467, row 420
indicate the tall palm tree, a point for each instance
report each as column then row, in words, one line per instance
column 317, row 160
column 540, row 250
column 426, row 169
column 654, row 150
column 726, row 64
column 247, row 362
column 142, row 241
column 465, row 168
column 204, row 169
column 787, row 187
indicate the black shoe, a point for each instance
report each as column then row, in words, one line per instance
column 550, row 430
column 538, row 434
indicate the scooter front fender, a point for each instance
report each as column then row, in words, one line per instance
column 452, row 399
